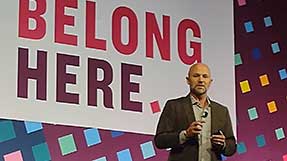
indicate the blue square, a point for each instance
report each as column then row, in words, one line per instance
column 124, row 155
column 241, row 148
column 116, row 133
column 7, row 131
column 280, row 133
column 41, row 152
column 92, row 137
column 248, row 26
column 267, row 21
column 256, row 54
column 147, row 150
column 252, row 112
column 260, row 139
column 283, row 74
column 275, row 47
column 32, row 126
column 223, row 157
column 101, row 159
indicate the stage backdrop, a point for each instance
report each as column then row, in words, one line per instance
column 110, row 64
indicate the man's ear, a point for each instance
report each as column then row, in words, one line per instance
column 187, row 80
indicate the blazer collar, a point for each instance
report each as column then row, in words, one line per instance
column 190, row 113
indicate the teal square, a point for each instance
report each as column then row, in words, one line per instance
column 147, row 150
column 124, row 155
column 7, row 131
column 275, row 48
column 267, row 21
column 260, row 139
column 67, row 144
column 241, row 148
column 280, row 133
column 41, row 152
column 101, row 159
column 237, row 59
column 252, row 112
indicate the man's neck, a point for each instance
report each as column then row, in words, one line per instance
column 202, row 100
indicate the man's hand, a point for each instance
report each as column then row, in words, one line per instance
column 194, row 128
column 218, row 139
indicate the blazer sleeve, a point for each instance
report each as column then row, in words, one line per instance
column 167, row 135
column 230, row 146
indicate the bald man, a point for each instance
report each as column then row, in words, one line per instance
column 195, row 127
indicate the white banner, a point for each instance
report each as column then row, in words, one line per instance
column 110, row 64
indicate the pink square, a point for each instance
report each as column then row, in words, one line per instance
column 241, row 2
column 155, row 106
column 285, row 157
column 15, row 156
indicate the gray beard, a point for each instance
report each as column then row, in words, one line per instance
column 195, row 92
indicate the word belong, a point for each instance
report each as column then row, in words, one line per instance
column 152, row 30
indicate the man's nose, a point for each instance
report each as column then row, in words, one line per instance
column 200, row 79
column 201, row 82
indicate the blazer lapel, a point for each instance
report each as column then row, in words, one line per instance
column 214, row 115
column 188, row 109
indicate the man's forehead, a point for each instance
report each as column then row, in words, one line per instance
column 200, row 72
column 200, row 69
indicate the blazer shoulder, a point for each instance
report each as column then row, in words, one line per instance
column 177, row 100
column 218, row 105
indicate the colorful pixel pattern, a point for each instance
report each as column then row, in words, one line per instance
column 260, row 66
column 31, row 141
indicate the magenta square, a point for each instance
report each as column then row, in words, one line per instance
column 285, row 157
column 15, row 156
column 241, row 2
column 155, row 106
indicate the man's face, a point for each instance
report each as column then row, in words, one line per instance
column 199, row 79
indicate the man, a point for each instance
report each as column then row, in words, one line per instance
column 195, row 127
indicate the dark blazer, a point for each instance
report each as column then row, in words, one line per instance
column 177, row 115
